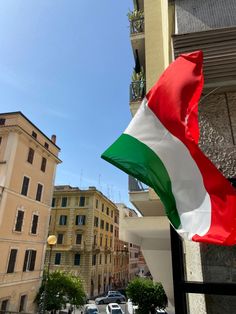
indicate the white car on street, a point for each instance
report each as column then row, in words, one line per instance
column 114, row 308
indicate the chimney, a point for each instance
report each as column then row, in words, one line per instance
column 54, row 138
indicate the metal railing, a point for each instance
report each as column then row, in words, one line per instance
column 136, row 185
column 137, row 90
column 137, row 26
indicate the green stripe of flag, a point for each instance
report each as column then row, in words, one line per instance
column 138, row 160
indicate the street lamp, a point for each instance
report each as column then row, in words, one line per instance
column 51, row 241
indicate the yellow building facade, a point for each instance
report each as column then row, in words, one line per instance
column 28, row 160
column 83, row 222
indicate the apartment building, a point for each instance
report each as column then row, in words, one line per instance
column 83, row 222
column 121, row 257
column 201, row 278
column 28, row 160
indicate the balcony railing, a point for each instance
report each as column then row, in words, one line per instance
column 137, row 90
column 135, row 185
column 137, row 26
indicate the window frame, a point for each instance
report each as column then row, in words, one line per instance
column 43, row 164
column 38, row 197
column 29, row 260
column 16, row 219
column 22, row 186
column 30, row 156
column 11, row 269
column 57, row 258
column 32, row 223
column 61, row 220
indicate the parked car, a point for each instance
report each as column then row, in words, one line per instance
column 114, row 308
column 161, row 311
column 112, row 292
column 91, row 309
column 111, row 297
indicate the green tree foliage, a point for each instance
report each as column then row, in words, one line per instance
column 60, row 288
column 146, row 294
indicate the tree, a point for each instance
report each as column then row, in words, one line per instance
column 146, row 294
column 60, row 288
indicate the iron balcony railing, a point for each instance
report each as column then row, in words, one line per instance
column 137, row 26
column 137, row 90
column 135, row 185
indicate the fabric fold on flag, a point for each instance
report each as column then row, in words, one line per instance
column 160, row 148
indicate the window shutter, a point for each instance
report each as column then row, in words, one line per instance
column 26, row 260
column 19, row 220
column 34, row 224
column 32, row 260
column 12, row 261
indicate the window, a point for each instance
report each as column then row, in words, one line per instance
column 77, row 259
column 102, row 224
column 82, row 201
column 39, row 192
column 95, row 239
column 43, row 164
column 100, row 259
column 107, row 226
column 105, row 259
column 63, row 220
column 19, row 220
column 95, row 221
column 25, row 186
column 30, row 155
column 60, row 237
column 111, row 228
column 29, row 261
column 57, row 259
column 80, row 220
column 0, row 140
column 2, row 121
column 34, row 225
column 101, row 239
column 4, row 305
column 96, row 203
column 12, row 261
column 94, row 260
column 63, row 201
column 34, row 134
column 46, row 145
column 78, row 238
column 22, row 303
column 53, row 202
column 102, row 207
column 108, row 211
column 116, row 219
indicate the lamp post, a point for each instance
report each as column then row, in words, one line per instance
column 51, row 241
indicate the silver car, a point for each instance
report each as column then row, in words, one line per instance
column 112, row 297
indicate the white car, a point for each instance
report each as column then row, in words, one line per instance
column 114, row 308
column 91, row 309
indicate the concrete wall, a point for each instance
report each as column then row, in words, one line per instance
column 200, row 15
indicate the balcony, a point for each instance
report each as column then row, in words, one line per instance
column 137, row 26
column 137, row 93
column 77, row 247
column 144, row 199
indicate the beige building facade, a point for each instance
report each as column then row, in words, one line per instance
column 83, row 222
column 28, row 160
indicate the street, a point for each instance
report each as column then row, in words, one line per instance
column 102, row 308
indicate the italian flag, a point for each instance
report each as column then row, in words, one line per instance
column 160, row 148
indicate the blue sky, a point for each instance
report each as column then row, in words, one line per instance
column 66, row 64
